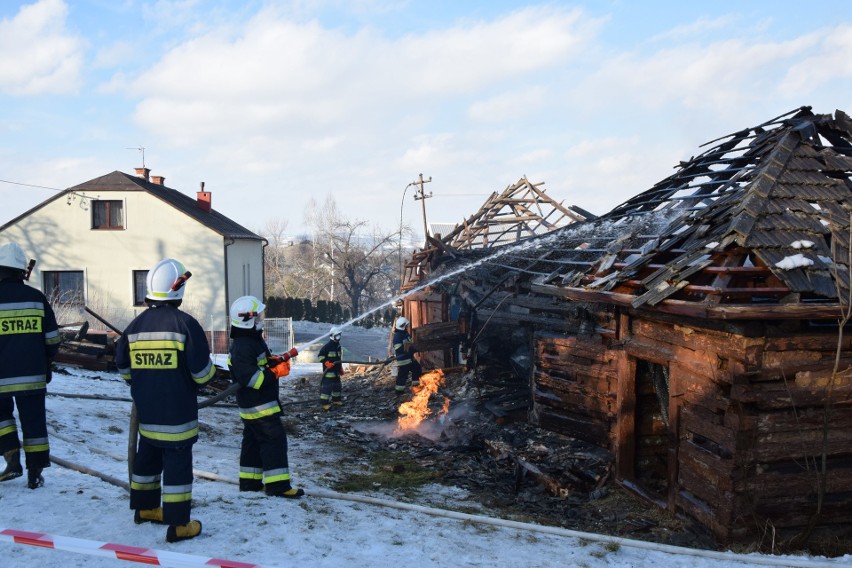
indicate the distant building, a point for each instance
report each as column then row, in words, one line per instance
column 95, row 242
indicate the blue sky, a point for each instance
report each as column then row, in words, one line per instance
column 276, row 104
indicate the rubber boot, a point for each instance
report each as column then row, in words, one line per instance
column 292, row 493
column 154, row 515
column 13, row 465
column 34, row 478
column 177, row 533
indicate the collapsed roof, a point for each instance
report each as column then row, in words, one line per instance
column 761, row 218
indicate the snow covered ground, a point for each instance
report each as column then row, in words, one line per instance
column 322, row 529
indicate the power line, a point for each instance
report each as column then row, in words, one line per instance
column 30, row 185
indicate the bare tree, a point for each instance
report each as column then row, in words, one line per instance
column 359, row 260
column 275, row 265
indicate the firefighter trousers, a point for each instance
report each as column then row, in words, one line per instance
column 330, row 389
column 171, row 465
column 31, row 412
column 263, row 455
column 411, row 368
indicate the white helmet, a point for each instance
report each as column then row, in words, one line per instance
column 401, row 322
column 12, row 256
column 166, row 280
column 335, row 333
column 245, row 311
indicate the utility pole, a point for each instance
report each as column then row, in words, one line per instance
column 419, row 195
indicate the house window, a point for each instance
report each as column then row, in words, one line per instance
column 107, row 214
column 63, row 287
column 139, row 287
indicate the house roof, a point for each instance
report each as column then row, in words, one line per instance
column 761, row 217
column 120, row 181
column 520, row 211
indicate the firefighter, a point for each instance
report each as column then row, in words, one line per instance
column 29, row 339
column 165, row 358
column 403, row 351
column 263, row 454
column 332, row 368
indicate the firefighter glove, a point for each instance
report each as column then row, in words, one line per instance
column 329, row 365
column 282, row 369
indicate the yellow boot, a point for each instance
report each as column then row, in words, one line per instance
column 176, row 533
column 13, row 465
column 148, row 516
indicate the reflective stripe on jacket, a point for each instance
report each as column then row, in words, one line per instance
column 165, row 357
column 258, row 395
column 29, row 338
column 401, row 340
column 333, row 353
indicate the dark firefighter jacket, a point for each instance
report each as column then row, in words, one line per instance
column 401, row 345
column 29, row 338
column 258, row 396
column 332, row 353
column 164, row 356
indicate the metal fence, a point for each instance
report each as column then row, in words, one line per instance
column 278, row 333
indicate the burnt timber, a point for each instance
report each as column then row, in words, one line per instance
column 697, row 331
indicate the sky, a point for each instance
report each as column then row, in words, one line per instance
column 323, row 529
column 278, row 105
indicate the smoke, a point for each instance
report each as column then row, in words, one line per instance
column 434, row 428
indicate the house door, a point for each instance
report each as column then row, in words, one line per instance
column 651, row 427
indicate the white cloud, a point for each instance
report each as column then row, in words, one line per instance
column 702, row 26
column 39, row 55
column 829, row 59
column 507, row 105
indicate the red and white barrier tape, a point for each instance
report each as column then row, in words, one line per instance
column 118, row 551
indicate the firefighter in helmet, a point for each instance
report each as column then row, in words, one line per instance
column 165, row 358
column 403, row 350
column 263, row 455
column 29, row 339
column 332, row 368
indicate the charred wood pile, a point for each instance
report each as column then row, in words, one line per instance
column 90, row 349
column 515, row 469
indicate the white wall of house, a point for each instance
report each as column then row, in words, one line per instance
column 60, row 237
column 245, row 269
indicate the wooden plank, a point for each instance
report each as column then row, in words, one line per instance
column 625, row 451
column 698, row 310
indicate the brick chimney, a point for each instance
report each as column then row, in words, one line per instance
column 159, row 180
column 143, row 172
column 205, row 200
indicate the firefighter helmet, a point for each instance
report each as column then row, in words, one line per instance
column 166, row 281
column 245, row 312
column 401, row 322
column 335, row 333
column 12, row 256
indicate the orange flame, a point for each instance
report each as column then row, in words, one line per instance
column 412, row 413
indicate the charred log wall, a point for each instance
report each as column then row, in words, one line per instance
column 746, row 415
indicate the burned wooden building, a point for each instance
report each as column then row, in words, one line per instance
column 698, row 331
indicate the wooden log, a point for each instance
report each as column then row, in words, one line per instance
column 576, row 426
column 698, row 420
column 809, row 418
column 501, row 451
column 796, row 477
column 691, row 338
column 778, row 395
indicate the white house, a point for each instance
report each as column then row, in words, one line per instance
column 95, row 242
